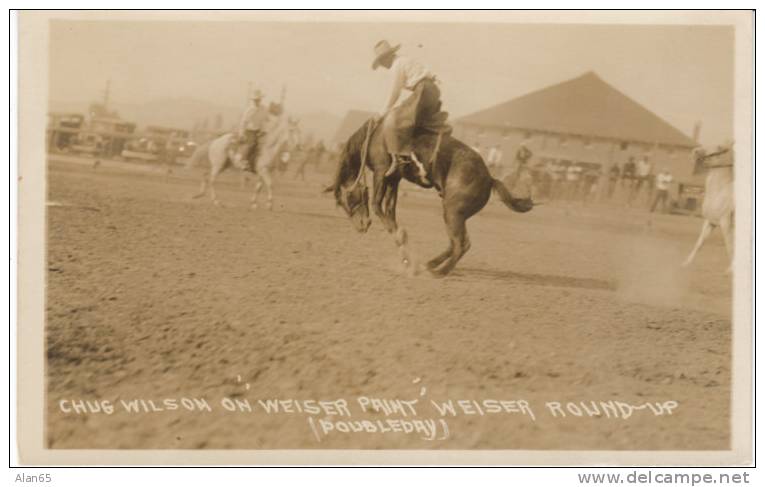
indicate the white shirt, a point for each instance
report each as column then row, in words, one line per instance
column 495, row 156
column 663, row 181
column 573, row 172
column 643, row 168
column 407, row 73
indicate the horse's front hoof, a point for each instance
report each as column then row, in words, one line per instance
column 401, row 236
column 437, row 273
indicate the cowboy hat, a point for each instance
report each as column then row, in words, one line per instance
column 383, row 49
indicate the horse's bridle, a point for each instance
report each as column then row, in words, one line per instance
column 713, row 155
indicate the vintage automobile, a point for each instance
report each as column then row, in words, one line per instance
column 88, row 144
column 689, row 199
column 159, row 144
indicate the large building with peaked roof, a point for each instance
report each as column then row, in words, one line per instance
column 583, row 120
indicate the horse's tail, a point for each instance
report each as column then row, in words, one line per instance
column 521, row 205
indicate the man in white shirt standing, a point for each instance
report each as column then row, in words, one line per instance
column 418, row 110
column 494, row 159
column 642, row 177
column 663, row 181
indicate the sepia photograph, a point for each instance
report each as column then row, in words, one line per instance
column 448, row 237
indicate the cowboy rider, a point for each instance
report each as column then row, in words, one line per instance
column 252, row 128
column 418, row 110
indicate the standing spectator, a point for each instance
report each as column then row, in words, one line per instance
column 663, row 181
column 642, row 176
column 573, row 174
column 523, row 154
column 628, row 174
column 591, row 175
column 519, row 169
column 613, row 177
column 494, row 159
column 558, row 173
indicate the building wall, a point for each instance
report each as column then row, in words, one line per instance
column 575, row 148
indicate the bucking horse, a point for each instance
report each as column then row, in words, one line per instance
column 456, row 171
column 718, row 206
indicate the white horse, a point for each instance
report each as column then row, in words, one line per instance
column 718, row 207
column 222, row 152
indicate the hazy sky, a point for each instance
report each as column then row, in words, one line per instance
column 682, row 73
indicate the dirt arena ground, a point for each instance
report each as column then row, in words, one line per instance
column 154, row 296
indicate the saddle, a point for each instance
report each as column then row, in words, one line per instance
column 420, row 144
column 434, row 125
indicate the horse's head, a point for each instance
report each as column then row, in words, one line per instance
column 722, row 157
column 355, row 202
column 350, row 188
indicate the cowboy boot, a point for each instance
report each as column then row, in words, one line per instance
column 395, row 161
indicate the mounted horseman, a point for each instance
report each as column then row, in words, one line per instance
column 419, row 112
column 251, row 130
column 273, row 136
column 412, row 141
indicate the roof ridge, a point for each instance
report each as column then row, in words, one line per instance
column 586, row 105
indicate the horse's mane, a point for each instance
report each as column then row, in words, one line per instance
column 349, row 160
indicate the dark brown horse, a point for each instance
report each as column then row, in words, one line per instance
column 458, row 173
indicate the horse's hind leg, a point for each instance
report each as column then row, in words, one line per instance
column 458, row 243
column 202, row 188
column 265, row 176
column 213, row 196
column 706, row 229
column 256, row 192
column 439, row 259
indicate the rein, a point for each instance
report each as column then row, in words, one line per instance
column 435, row 150
column 364, row 150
